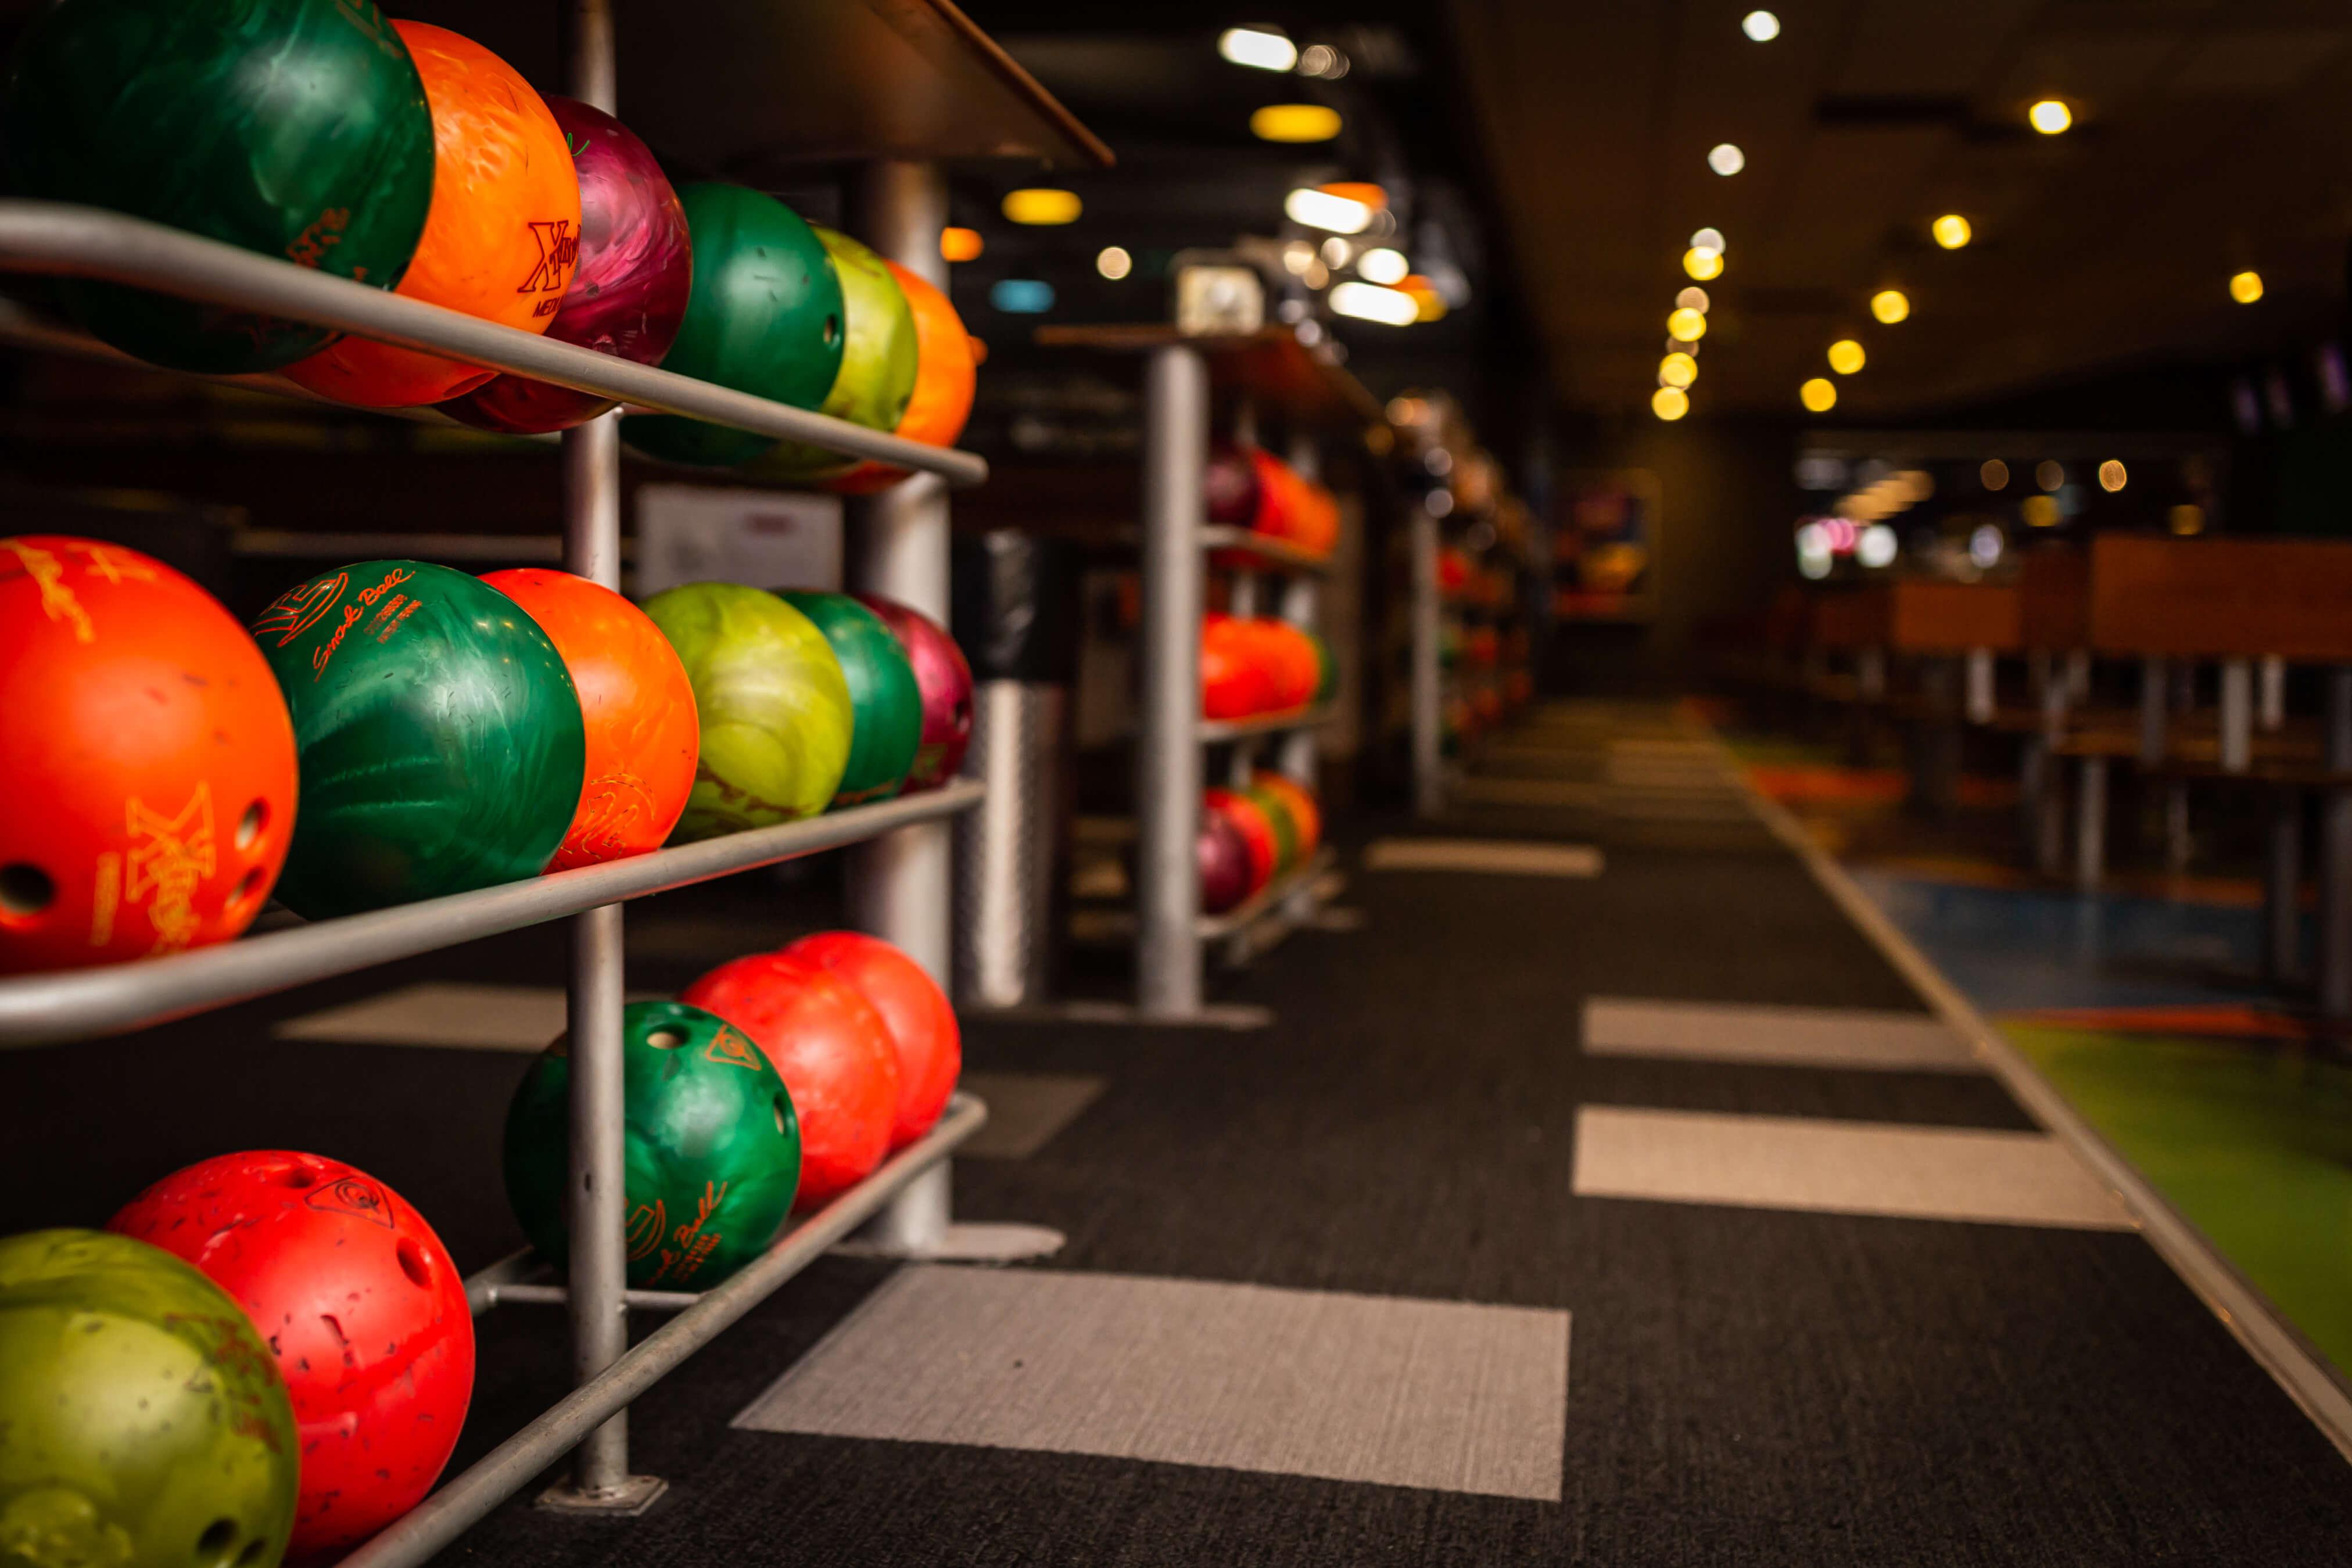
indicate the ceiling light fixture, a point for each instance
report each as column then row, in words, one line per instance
column 1725, row 159
column 1383, row 266
column 1951, row 231
column 1845, row 356
column 1371, row 302
column 2112, row 476
column 2245, row 288
column 1694, row 298
column 2050, row 117
column 1670, row 404
column 1761, row 26
column 1819, row 394
column 960, row 244
column 1113, row 262
column 1703, row 264
column 1295, row 122
column 1042, row 206
column 1890, row 306
column 1685, row 326
column 1677, row 369
column 1322, row 210
column 1257, row 47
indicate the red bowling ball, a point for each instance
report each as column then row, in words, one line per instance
column 944, row 678
column 1225, row 862
column 921, row 1019
column 1249, row 819
column 833, row 1051
column 360, row 1303
column 1234, row 681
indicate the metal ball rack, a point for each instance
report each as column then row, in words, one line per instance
column 932, row 87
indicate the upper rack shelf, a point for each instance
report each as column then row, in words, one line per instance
column 77, row 1004
column 60, row 239
column 1270, row 366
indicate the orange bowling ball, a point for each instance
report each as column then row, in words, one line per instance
column 945, row 377
column 502, row 237
column 149, row 793
column 1298, row 800
column 638, row 706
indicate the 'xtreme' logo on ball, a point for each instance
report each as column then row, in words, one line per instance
column 559, row 251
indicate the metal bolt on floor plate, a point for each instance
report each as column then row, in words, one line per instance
column 627, row 1501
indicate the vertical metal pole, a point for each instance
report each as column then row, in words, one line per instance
column 598, row 1218
column 2335, row 962
column 2272, row 714
column 2282, row 888
column 1981, row 685
column 902, row 885
column 1428, row 694
column 1168, row 755
column 2155, row 688
column 2237, row 715
column 2078, row 676
column 2091, row 825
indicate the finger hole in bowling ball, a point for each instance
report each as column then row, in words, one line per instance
column 213, row 1545
column 780, row 1129
column 297, row 1177
column 25, row 889
column 255, row 1551
column 832, row 331
column 249, row 826
column 666, row 1039
column 412, row 1263
column 248, row 886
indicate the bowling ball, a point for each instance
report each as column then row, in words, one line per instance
column 1229, row 486
column 920, row 1018
column 877, row 362
column 774, row 706
column 358, row 1303
column 833, row 1051
column 945, row 681
column 294, row 128
column 150, row 784
column 1256, row 827
column 711, row 1144
column 502, row 237
column 637, row 709
column 441, row 741
column 1224, row 860
column 1279, row 818
column 886, row 704
column 1326, row 672
column 764, row 316
column 1235, row 682
column 1297, row 803
column 1290, row 662
column 141, row 1419
column 626, row 296
column 945, row 378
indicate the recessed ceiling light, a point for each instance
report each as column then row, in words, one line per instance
column 1890, row 306
column 1725, row 159
column 1845, row 356
column 1685, row 326
column 1670, row 404
column 1040, row 205
column 1761, row 25
column 1113, row 262
column 1295, row 122
column 1694, row 298
column 2050, row 117
column 1951, row 231
column 1257, row 47
column 1703, row 264
column 1819, row 394
column 2245, row 288
column 1677, row 369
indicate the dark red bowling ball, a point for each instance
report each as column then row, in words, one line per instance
column 944, row 678
column 1224, row 859
column 628, row 293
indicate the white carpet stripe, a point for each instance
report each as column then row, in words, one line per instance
column 1839, row 1167
column 1436, row 1395
column 1779, row 1036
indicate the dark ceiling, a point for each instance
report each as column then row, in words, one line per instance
column 2210, row 136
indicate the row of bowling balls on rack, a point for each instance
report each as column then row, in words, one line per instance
column 271, row 1352
column 1247, row 486
column 396, row 730
column 1250, row 837
column 1251, row 666
column 405, row 156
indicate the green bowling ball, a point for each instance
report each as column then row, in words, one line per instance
column 294, row 128
column 885, row 703
column 764, row 316
column 713, row 1147
column 775, row 706
column 439, row 736
column 1326, row 672
column 1285, row 825
column 878, row 363
column 141, row 1420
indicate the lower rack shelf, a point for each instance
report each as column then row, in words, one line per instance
column 702, row 1317
column 77, row 1004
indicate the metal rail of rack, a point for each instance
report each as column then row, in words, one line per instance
column 1219, row 731
column 899, row 877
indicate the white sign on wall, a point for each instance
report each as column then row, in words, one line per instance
column 767, row 539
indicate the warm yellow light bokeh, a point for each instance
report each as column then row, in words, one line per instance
column 2112, row 475
column 2245, row 288
column 1994, row 475
column 2187, row 519
column 1677, row 369
column 1042, row 205
column 1819, row 395
column 1670, row 404
column 960, row 244
column 1703, row 264
column 2038, row 511
column 1890, row 304
column 1847, row 356
column 2050, row 117
column 1951, row 231
column 1295, row 122
column 1685, row 326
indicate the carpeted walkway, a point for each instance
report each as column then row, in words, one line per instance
column 1743, row 1384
